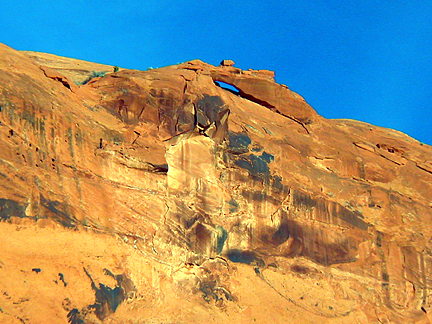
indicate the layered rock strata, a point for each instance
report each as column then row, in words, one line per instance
column 164, row 196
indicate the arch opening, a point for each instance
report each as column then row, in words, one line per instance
column 227, row 86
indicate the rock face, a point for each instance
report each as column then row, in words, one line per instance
column 162, row 196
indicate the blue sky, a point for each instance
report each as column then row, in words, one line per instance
column 365, row 60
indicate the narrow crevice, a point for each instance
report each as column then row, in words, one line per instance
column 195, row 115
column 295, row 120
column 373, row 150
column 159, row 168
column 185, row 86
column 423, row 168
column 65, row 83
column 385, row 157
column 136, row 138
column 60, row 79
column 257, row 101
column 176, row 137
column 142, row 111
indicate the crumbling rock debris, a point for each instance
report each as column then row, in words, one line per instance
column 205, row 204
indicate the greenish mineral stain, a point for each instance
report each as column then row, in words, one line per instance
column 222, row 236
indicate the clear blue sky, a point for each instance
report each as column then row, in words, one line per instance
column 365, row 60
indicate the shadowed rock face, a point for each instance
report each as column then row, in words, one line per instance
column 205, row 195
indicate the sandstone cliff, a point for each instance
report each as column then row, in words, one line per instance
column 162, row 196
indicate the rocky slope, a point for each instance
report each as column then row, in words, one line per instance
column 161, row 196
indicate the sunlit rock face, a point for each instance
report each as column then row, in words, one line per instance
column 162, row 196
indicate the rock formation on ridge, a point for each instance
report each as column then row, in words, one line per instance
column 160, row 196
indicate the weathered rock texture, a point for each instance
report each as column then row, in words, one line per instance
column 162, row 197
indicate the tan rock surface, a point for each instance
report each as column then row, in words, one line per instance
column 161, row 197
column 73, row 69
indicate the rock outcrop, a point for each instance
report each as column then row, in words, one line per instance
column 162, row 196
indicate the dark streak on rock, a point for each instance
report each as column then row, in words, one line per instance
column 208, row 109
column 282, row 234
column 212, row 292
column 259, row 196
column 238, row 143
column 300, row 269
column 62, row 279
column 247, row 257
column 159, row 168
column 329, row 208
column 317, row 249
column 234, row 206
column 75, row 317
column 58, row 212
column 256, row 165
column 10, row 208
column 107, row 298
column 422, row 167
column 221, row 238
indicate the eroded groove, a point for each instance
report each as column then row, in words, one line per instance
column 423, row 168
column 295, row 120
